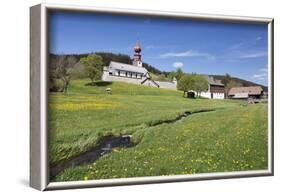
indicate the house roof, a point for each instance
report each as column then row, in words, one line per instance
column 126, row 67
column 213, row 81
column 252, row 90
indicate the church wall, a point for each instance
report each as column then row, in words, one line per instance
column 122, row 73
column 168, row 85
column 114, row 77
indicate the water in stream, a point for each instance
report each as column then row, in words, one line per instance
column 106, row 146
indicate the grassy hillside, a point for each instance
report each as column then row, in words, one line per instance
column 232, row 138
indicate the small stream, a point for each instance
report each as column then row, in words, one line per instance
column 179, row 117
column 108, row 143
column 105, row 147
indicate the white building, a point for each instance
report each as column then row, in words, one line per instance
column 135, row 73
column 125, row 73
column 215, row 89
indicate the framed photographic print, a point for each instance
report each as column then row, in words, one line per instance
column 123, row 97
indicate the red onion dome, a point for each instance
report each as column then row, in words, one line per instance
column 137, row 48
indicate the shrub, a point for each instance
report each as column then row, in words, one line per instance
column 56, row 85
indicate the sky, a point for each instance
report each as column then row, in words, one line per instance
column 195, row 46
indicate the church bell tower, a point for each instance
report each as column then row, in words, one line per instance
column 137, row 56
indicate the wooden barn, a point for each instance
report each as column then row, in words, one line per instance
column 254, row 92
column 216, row 89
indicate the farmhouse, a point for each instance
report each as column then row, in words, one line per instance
column 133, row 73
column 215, row 89
column 255, row 92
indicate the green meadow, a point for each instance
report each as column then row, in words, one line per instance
column 232, row 137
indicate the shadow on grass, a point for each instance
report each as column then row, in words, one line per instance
column 99, row 83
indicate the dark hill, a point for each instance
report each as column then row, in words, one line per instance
column 243, row 82
column 107, row 57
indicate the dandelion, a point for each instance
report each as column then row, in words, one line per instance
column 84, row 106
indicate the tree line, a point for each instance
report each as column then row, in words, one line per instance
column 68, row 67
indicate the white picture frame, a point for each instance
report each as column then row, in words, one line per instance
column 39, row 169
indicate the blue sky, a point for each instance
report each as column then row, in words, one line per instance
column 195, row 46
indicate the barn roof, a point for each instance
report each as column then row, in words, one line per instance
column 126, row 67
column 213, row 81
column 251, row 90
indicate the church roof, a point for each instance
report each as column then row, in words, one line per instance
column 127, row 67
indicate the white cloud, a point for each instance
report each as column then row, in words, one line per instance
column 188, row 53
column 263, row 70
column 262, row 74
column 236, row 46
column 178, row 64
column 254, row 55
column 259, row 38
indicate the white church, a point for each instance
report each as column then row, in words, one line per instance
column 136, row 74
